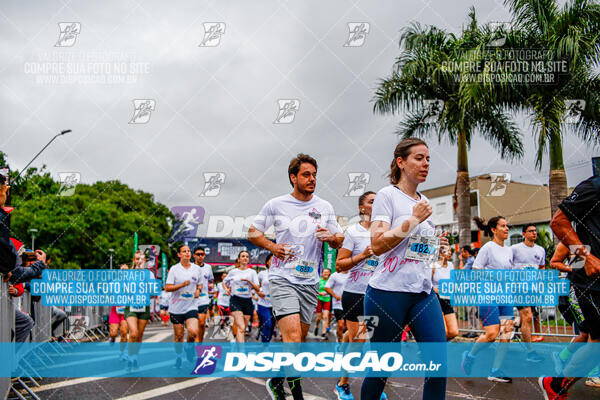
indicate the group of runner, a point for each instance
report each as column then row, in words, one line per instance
column 385, row 277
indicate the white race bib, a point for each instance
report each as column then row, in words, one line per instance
column 305, row 270
column 140, row 309
column 120, row 309
column 371, row 263
column 422, row 248
column 241, row 290
column 187, row 296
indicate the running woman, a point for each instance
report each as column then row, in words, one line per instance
column 580, row 209
column 239, row 283
column 441, row 270
column 265, row 308
column 223, row 303
column 137, row 318
column 400, row 291
column 207, row 280
column 303, row 221
column 335, row 288
column 323, row 305
column 356, row 256
column 526, row 255
column 117, row 324
column 497, row 321
column 184, row 283
column 163, row 304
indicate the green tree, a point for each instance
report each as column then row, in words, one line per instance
column 424, row 71
column 572, row 34
column 78, row 230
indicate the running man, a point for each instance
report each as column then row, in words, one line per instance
column 137, row 318
column 239, row 284
column 497, row 321
column 163, row 304
column 400, row 291
column 527, row 254
column 184, row 281
column 335, row 288
column 356, row 256
column 207, row 280
column 117, row 324
column 581, row 209
column 323, row 305
column 303, row 221
column 265, row 308
column 441, row 270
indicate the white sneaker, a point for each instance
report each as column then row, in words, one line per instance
column 593, row 381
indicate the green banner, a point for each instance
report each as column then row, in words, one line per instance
column 163, row 269
column 135, row 243
column 329, row 257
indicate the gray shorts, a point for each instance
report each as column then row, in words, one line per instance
column 288, row 298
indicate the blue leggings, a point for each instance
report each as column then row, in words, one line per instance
column 266, row 323
column 423, row 313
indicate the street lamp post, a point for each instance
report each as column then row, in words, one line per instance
column 33, row 232
column 111, row 251
column 40, row 152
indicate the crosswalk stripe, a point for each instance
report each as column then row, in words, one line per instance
column 167, row 389
column 68, row 382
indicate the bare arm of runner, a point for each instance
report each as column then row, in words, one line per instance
column 346, row 261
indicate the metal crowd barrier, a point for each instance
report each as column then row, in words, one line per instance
column 551, row 321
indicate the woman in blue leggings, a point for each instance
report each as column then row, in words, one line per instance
column 266, row 320
column 400, row 291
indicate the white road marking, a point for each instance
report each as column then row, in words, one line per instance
column 167, row 389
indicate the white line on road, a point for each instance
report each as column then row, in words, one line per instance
column 68, row 382
column 167, row 389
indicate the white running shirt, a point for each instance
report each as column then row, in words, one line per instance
column 263, row 281
column 395, row 273
column 356, row 240
column 336, row 283
column 239, row 287
column 182, row 300
column 295, row 224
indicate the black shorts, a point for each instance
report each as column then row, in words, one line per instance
column 589, row 302
column 203, row 309
column 338, row 314
column 446, row 306
column 242, row 304
column 354, row 305
column 179, row 319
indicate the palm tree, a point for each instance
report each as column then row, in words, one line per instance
column 571, row 34
column 423, row 71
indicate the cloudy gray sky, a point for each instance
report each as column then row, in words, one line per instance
column 215, row 106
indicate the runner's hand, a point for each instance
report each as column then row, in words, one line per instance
column 186, row 283
column 444, row 243
column 12, row 290
column 282, row 251
column 592, row 266
column 323, row 234
column 368, row 252
column 422, row 210
column 41, row 256
column 7, row 277
column 338, row 298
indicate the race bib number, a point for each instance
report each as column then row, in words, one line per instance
column 371, row 263
column 140, row 309
column 305, row 270
column 203, row 294
column 187, row 296
column 120, row 309
column 422, row 248
column 241, row 290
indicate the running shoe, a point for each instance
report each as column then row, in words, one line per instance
column 275, row 391
column 129, row 366
column 112, row 341
column 559, row 364
column 317, row 331
column 534, row 357
column 548, row 391
column 499, row 376
column 123, row 357
column 467, row 362
column 593, row 382
column 178, row 362
column 383, row 396
column 324, row 337
column 136, row 366
column 343, row 392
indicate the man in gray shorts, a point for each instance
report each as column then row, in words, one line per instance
column 302, row 222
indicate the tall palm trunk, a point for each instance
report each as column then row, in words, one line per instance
column 463, row 192
column 558, row 178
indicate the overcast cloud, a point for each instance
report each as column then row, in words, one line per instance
column 215, row 106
